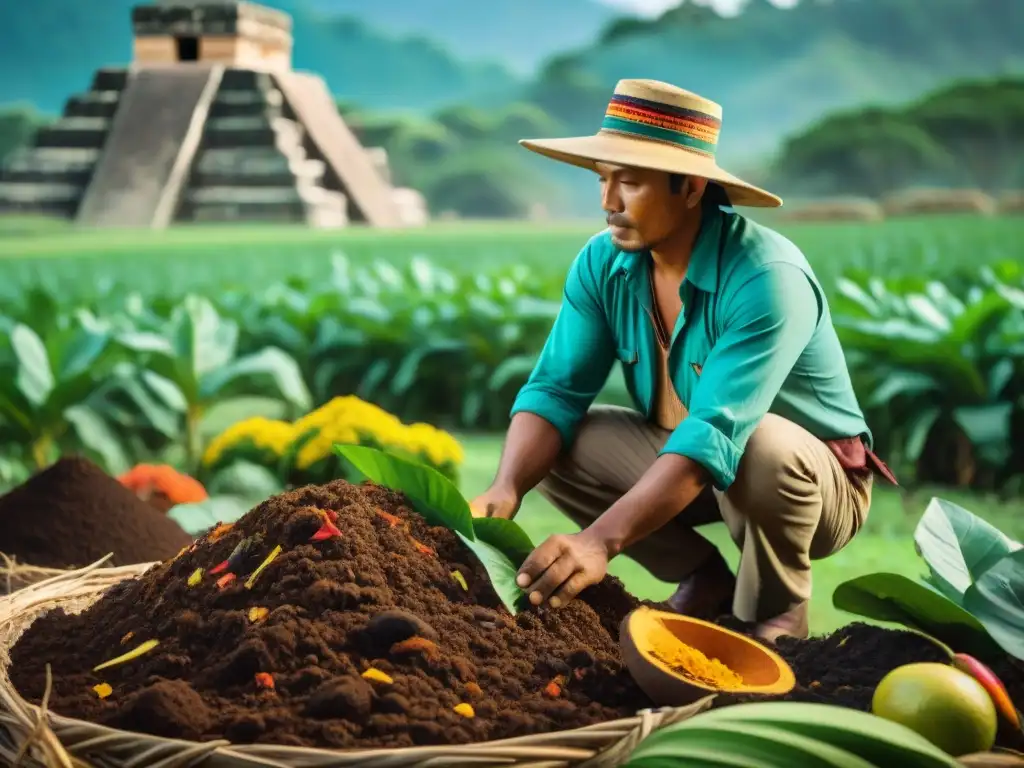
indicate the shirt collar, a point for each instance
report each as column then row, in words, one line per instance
column 703, row 270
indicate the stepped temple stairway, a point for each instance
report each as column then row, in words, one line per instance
column 252, row 162
column 208, row 124
column 50, row 176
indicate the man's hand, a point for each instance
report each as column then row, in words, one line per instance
column 562, row 567
column 496, row 501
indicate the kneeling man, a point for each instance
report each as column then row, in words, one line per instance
column 744, row 407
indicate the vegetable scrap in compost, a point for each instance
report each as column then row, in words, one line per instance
column 73, row 513
column 360, row 638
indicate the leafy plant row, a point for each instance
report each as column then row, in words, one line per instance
column 129, row 379
column 939, row 369
column 938, row 366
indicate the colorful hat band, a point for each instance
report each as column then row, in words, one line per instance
column 687, row 128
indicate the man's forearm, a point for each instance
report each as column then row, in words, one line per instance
column 531, row 449
column 667, row 488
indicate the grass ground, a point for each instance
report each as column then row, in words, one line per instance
column 204, row 257
column 885, row 544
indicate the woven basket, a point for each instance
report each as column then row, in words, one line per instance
column 40, row 739
column 15, row 575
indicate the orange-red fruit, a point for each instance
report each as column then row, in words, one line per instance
column 992, row 684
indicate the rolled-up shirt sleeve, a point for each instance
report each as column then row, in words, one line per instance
column 577, row 356
column 767, row 325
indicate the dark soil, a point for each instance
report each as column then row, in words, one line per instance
column 73, row 513
column 374, row 599
column 336, row 608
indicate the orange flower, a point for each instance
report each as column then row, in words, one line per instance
column 147, row 479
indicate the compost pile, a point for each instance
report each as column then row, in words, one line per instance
column 366, row 628
column 73, row 513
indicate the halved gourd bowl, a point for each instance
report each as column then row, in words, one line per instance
column 763, row 671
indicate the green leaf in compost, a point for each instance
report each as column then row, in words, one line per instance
column 505, row 536
column 738, row 744
column 35, row 376
column 499, row 545
column 958, row 546
column 432, row 494
column 502, row 571
column 996, row 598
column 895, row 598
column 869, row 737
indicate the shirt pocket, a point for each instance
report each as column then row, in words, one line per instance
column 627, row 347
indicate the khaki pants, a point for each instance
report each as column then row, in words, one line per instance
column 791, row 503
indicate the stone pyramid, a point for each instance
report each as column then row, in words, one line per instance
column 208, row 123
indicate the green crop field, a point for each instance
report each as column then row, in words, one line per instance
column 76, row 262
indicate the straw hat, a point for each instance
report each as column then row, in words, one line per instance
column 655, row 125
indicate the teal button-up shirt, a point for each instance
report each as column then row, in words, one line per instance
column 755, row 336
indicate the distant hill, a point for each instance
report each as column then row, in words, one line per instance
column 56, row 45
column 517, row 33
column 776, row 71
column 969, row 134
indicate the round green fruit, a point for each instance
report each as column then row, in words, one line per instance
column 948, row 707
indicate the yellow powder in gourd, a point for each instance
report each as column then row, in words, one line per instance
column 682, row 658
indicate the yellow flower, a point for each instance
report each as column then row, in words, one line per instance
column 269, row 434
column 322, row 443
column 436, row 445
column 349, row 419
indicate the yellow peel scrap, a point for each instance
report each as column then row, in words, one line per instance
column 466, row 710
column 377, row 676
column 103, row 690
column 258, row 613
column 270, row 558
column 196, row 577
column 146, row 647
column 461, row 580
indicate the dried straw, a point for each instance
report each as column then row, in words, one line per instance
column 34, row 738
column 15, row 575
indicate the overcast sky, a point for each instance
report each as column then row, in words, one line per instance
column 655, row 7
